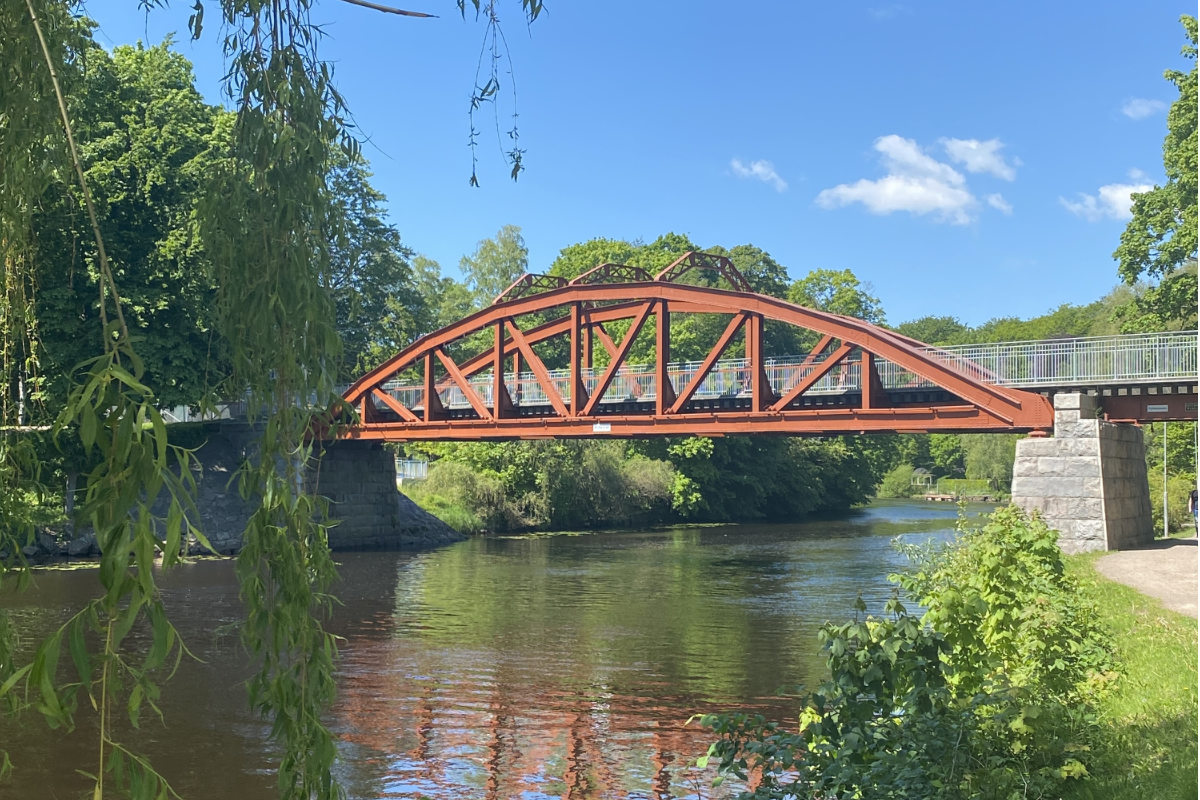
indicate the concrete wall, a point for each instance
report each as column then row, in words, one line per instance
column 1088, row 481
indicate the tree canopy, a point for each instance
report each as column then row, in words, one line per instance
column 495, row 264
column 1159, row 243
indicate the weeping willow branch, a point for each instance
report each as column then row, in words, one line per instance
column 389, row 9
column 114, row 414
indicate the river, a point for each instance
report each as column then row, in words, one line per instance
column 553, row 665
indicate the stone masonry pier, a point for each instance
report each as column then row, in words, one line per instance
column 358, row 478
column 1088, row 481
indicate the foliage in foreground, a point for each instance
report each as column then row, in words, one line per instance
column 991, row 694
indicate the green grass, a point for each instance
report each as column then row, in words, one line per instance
column 1149, row 720
column 457, row 516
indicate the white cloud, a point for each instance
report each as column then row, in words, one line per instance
column 1111, row 201
column 916, row 183
column 979, row 156
column 760, row 170
column 890, row 11
column 998, row 202
column 1141, row 107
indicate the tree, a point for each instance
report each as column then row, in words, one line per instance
column 445, row 300
column 1160, row 241
column 576, row 259
column 1066, row 321
column 935, row 330
column 266, row 221
column 657, row 255
column 149, row 140
column 495, row 264
column 378, row 310
column 839, row 292
column 990, row 456
column 946, row 454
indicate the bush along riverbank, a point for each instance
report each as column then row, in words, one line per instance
column 564, row 484
column 1023, row 679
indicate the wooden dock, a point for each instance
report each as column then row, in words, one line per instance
column 934, row 497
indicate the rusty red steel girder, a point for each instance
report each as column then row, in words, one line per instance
column 590, row 301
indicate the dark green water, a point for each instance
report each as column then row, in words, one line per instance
column 530, row 667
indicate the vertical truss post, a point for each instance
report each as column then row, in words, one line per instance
column 864, row 378
column 879, row 397
column 433, row 403
column 587, row 346
column 516, row 374
column 499, row 393
column 578, row 393
column 664, row 395
column 872, row 387
column 762, row 394
column 754, row 359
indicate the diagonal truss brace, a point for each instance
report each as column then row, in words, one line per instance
column 710, row 360
column 538, row 368
column 819, row 371
column 618, row 359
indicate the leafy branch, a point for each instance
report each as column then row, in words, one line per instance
column 494, row 52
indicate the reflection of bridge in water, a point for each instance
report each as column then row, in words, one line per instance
column 591, row 357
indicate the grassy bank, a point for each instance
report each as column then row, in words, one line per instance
column 1149, row 739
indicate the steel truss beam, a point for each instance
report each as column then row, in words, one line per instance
column 586, row 306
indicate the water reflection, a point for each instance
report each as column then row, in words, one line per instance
column 531, row 667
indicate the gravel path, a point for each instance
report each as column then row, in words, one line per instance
column 1165, row 570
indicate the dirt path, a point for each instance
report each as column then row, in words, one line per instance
column 1165, row 570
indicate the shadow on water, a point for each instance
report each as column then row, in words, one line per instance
column 538, row 666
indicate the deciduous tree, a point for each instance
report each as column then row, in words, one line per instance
column 495, row 264
column 1159, row 243
column 838, row 291
column 377, row 306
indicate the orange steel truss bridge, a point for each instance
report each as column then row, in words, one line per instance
column 555, row 358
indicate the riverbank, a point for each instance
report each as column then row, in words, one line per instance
column 1149, row 721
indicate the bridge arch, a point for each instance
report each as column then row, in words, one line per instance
column 858, row 377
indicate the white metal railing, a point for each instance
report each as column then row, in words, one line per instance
column 1086, row 361
column 411, row 469
column 1090, row 361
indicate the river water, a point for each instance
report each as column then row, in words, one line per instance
column 529, row 667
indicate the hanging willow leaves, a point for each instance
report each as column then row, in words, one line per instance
column 109, row 410
column 266, row 226
column 493, row 52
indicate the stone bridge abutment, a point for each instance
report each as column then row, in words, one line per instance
column 1088, row 481
column 357, row 477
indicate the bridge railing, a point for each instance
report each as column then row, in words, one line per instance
column 1096, row 360
column 638, row 382
column 1092, row 360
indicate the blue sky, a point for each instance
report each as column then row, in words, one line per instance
column 970, row 159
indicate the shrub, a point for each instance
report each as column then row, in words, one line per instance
column 464, row 499
column 990, row 694
column 1178, row 488
column 897, row 483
